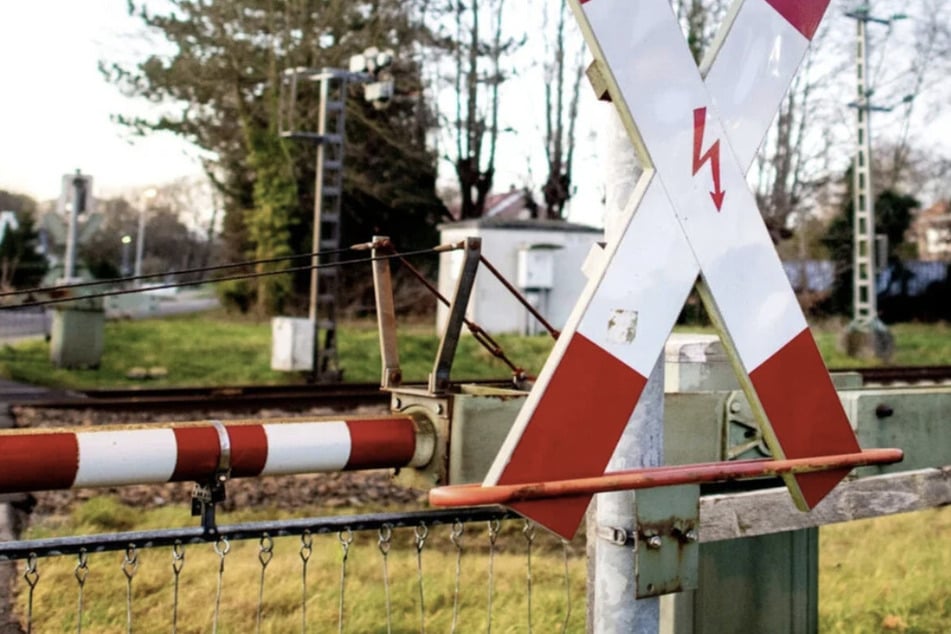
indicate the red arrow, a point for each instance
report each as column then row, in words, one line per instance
column 712, row 155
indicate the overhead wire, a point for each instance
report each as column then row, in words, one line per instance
column 226, row 278
column 201, row 269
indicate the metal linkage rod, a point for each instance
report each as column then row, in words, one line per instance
column 473, row 494
column 484, row 338
column 520, row 297
column 119, row 456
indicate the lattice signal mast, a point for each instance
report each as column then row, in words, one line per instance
column 330, row 137
column 864, row 300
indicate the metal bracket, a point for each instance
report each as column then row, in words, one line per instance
column 439, row 379
column 386, row 313
column 742, row 437
column 206, row 495
column 666, row 556
column 617, row 535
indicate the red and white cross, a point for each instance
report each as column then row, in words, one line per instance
column 697, row 131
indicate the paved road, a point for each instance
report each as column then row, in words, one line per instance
column 26, row 323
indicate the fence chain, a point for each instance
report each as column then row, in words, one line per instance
column 306, row 550
column 384, row 543
column 455, row 536
column 528, row 530
column 421, row 533
column 265, row 554
column 494, row 527
column 564, row 556
column 222, row 548
column 81, row 572
column 178, row 562
column 130, row 564
column 346, row 538
column 31, row 575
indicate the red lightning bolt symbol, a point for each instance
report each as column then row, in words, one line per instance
column 712, row 155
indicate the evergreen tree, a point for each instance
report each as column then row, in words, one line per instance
column 221, row 86
column 892, row 218
column 21, row 266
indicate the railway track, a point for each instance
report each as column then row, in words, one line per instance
column 345, row 396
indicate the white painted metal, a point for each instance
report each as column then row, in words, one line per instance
column 125, row 457
column 651, row 277
column 643, row 46
column 291, row 447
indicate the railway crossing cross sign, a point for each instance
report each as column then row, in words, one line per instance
column 697, row 131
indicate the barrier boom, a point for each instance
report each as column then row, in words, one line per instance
column 38, row 460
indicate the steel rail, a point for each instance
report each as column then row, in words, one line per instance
column 340, row 397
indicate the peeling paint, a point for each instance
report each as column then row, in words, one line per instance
column 622, row 326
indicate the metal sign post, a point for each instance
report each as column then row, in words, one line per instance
column 76, row 198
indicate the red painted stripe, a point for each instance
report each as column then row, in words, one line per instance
column 378, row 443
column 248, row 450
column 804, row 15
column 804, row 411
column 574, row 429
column 21, row 469
column 198, row 452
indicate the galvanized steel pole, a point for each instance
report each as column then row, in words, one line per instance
column 611, row 575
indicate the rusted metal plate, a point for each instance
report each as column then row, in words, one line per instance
column 667, row 545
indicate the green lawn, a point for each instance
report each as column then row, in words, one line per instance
column 215, row 349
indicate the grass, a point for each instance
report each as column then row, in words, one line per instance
column 214, row 349
column 887, row 574
column 55, row 602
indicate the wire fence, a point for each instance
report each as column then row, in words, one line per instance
column 459, row 570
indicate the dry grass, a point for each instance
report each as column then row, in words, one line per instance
column 887, row 574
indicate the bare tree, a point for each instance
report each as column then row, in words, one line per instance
column 478, row 54
column 562, row 66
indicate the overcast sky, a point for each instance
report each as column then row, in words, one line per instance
column 56, row 107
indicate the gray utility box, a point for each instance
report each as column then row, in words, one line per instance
column 77, row 334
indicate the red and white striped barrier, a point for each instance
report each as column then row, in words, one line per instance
column 37, row 460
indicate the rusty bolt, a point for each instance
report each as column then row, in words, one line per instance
column 691, row 535
column 654, row 542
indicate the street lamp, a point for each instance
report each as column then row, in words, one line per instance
column 147, row 196
column 126, row 241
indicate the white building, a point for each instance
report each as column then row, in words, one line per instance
column 542, row 258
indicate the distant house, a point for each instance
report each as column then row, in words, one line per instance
column 931, row 231
column 542, row 258
column 515, row 204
